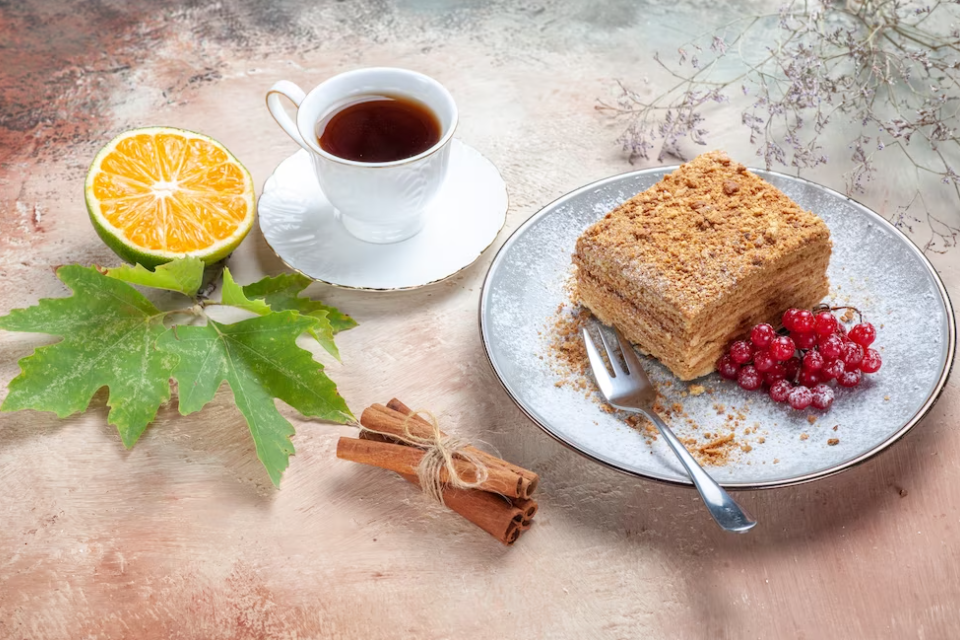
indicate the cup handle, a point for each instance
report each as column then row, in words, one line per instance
column 296, row 95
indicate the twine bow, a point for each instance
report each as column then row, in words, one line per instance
column 439, row 453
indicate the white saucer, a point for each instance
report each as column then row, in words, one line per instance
column 298, row 223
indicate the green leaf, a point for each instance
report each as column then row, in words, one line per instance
column 232, row 294
column 260, row 360
column 322, row 332
column 109, row 331
column 184, row 275
column 282, row 293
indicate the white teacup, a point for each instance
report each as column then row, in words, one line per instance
column 376, row 201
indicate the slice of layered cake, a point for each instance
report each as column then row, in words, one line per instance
column 700, row 257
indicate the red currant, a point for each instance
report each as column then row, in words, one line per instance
column 831, row 346
column 762, row 335
column 749, row 378
column 764, row 361
column 741, row 351
column 871, row 361
column 812, row 361
column 849, row 378
column 809, row 378
column 780, row 390
column 800, row 398
column 832, row 369
column 779, row 372
column 795, row 368
column 806, row 340
column 822, row 396
column 791, row 368
column 852, row 355
column 782, row 348
column 727, row 368
column 863, row 334
column 825, row 323
column 788, row 318
column 803, row 321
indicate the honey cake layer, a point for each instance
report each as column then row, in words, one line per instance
column 758, row 289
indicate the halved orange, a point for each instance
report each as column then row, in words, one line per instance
column 159, row 193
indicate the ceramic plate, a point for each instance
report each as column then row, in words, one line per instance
column 874, row 267
column 299, row 224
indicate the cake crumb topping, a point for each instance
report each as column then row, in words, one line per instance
column 694, row 234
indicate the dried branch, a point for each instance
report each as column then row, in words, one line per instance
column 885, row 72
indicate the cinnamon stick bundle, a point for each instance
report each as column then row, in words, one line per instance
column 384, row 419
column 532, row 479
column 405, row 460
column 501, row 505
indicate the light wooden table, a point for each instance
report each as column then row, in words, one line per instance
column 184, row 537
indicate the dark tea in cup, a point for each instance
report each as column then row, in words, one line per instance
column 379, row 129
column 380, row 141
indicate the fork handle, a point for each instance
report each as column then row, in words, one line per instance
column 724, row 509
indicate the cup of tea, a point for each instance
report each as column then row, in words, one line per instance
column 379, row 139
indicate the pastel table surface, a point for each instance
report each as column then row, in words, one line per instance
column 185, row 537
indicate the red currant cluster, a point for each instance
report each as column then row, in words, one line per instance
column 796, row 367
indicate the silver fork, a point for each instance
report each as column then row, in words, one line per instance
column 630, row 390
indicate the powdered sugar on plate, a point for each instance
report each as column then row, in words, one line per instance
column 873, row 267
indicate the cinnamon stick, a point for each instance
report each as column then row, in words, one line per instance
column 491, row 513
column 405, row 460
column 383, row 418
column 528, row 507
